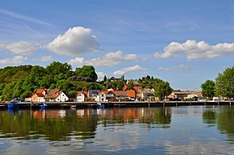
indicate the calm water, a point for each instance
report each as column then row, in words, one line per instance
column 171, row 130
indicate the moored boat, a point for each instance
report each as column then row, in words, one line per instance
column 43, row 106
column 13, row 104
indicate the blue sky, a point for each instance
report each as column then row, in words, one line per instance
column 184, row 42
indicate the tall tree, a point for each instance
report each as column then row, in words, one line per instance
column 224, row 85
column 162, row 88
column 87, row 72
column 55, row 68
column 208, row 88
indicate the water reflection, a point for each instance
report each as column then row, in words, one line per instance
column 168, row 130
column 56, row 125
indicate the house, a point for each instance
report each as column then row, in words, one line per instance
column 144, row 94
column 131, row 95
column 56, row 95
column 196, row 96
column 121, row 95
column 81, row 96
column 92, row 94
column 148, row 94
column 179, row 95
column 39, row 95
column 106, row 95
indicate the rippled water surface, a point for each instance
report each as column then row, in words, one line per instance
column 170, row 130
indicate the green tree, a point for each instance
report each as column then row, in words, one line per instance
column 87, row 72
column 55, row 68
column 208, row 88
column 105, row 78
column 118, row 85
column 64, row 85
column 162, row 88
column 130, row 85
column 72, row 94
column 224, row 85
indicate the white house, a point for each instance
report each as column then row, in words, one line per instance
column 81, row 96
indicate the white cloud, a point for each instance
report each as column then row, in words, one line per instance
column 2, row 46
column 110, row 59
column 176, row 68
column 196, row 50
column 75, row 41
column 129, row 69
column 46, row 58
column 14, row 60
column 22, row 17
column 21, row 48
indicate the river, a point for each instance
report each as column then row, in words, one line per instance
column 159, row 130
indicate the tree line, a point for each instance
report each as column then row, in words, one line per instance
column 222, row 86
column 22, row 81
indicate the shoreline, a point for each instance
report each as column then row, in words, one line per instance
column 122, row 104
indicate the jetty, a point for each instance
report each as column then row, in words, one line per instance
column 122, row 104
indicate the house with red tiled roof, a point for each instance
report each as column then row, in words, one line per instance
column 39, row 96
column 131, row 94
column 56, row 95
column 81, row 96
column 106, row 95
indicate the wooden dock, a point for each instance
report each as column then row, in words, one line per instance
column 62, row 105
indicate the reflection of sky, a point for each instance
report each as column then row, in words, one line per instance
column 187, row 134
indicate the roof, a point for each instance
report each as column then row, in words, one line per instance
column 39, row 92
column 182, row 93
column 125, row 87
column 82, row 92
column 108, row 92
column 131, row 93
column 121, row 93
column 53, row 93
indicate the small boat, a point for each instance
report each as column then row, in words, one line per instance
column 43, row 106
column 13, row 104
column 100, row 105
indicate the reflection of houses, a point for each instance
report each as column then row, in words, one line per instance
column 186, row 95
column 81, row 96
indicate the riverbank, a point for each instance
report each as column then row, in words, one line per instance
column 59, row 105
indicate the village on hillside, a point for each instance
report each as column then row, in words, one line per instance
column 136, row 94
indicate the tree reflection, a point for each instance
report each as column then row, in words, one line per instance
column 223, row 117
column 46, row 124
column 63, row 125
column 225, row 122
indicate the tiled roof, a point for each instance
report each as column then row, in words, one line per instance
column 82, row 92
column 53, row 93
column 131, row 93
column 39, row 92
column 125, row 87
